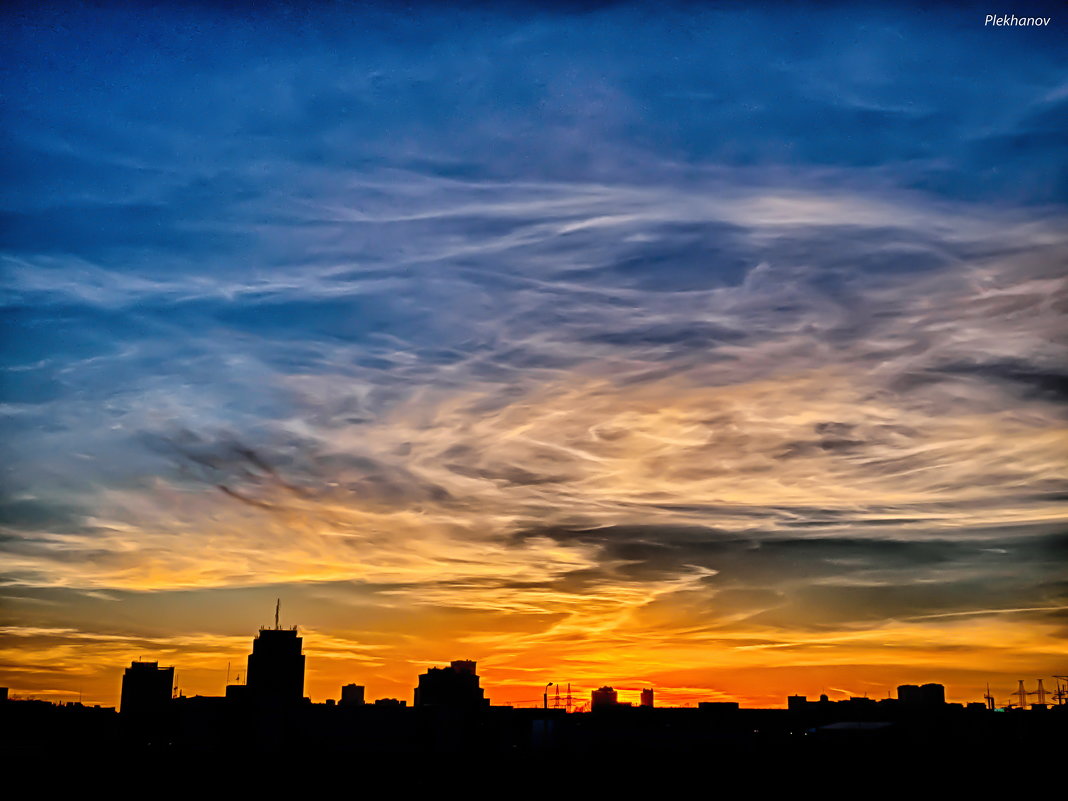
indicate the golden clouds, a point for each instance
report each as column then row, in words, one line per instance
column 460, row 478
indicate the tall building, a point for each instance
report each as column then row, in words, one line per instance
column 603, row 698
column 647, row 697
column 352, row 695
column 146, row 690
column 276, row 666
column 455, row 686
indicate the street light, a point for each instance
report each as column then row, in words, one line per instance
column 545, row 696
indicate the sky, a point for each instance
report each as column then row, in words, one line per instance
column 719, row 349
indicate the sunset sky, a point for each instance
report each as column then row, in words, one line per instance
column 715, row 349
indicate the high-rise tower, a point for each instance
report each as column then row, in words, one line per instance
column 276, row 665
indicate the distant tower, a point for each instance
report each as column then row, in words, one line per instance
column 455, row 686
column 603, row 698
column 1021, row 693
column 276, row 665
column 352, row 695
column 146, row 690
column 647, row 697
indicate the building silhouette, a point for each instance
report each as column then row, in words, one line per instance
column 146, row 690
column 145, row 702
column 927, row 695
column 276, row 667
column 451, row 715
column 933, row 694
column 352, row 695
column 455, row 686
column 603, row 698
column 908, row 693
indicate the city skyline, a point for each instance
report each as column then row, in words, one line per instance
column 238, row 677
column 715, row 348
column 450, row 713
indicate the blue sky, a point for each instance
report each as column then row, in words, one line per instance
column 554, row 316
